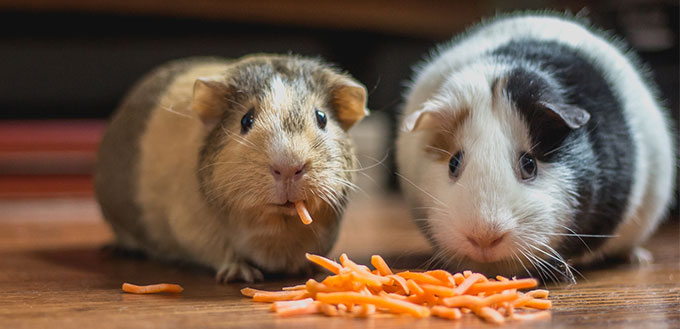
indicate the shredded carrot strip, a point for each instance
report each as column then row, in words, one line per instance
column 396, row 306
column 445, row 277
column 414, row 287
column 441, row 291
column 501, row 285
column 357, row 290
column 421, row 278
column 298, row 287
column 302, row 211
column 541, row 304
column 328, row 309
column 380, row 265
column 521, row 301
column 538, row 293
column 310, row 308
column 274, row 296
column 324, row 262
column 458, row 278
column 446, row 312
column 463, row 301
column 467, row 284
column 291, row 303
column 489, row 314
column 153, row 288
column 531, row 316
column 401, row 282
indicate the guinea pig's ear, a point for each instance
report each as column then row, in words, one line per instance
column 209, row 99
column 572, row 116
column 420, row 120
column 349, row 102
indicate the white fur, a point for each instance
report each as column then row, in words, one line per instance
column 488, row 193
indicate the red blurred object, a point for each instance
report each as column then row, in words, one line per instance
column 44, row 158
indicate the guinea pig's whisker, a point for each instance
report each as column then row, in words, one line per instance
column 329, row 198
column 585, row 235
column 563, row 146
column 169, row 109
column 378, row 186
column 539, row 264
column 380, row 162
column 521, row 263
column 238, row 138
column 441, row 150
column 237, row 104
column 218, row 163
column 567, row 274
column 533, row 147
column 579, row 237
column 421, row 189
column 568, row 268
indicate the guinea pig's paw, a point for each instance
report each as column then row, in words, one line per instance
column 238, row 270
column 641, row 256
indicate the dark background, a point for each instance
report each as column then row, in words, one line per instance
column 74, row 59
column 71, row 64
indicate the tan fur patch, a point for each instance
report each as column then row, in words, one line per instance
column 442, row 143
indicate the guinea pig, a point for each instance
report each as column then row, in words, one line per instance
column 206, row 158
column 531, row 143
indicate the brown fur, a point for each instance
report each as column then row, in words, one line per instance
column 204, row 188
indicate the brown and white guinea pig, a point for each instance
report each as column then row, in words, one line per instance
column 205, row 158
column 531, row 143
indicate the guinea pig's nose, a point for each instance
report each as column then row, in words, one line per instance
column 486, row 241
column 288, row 171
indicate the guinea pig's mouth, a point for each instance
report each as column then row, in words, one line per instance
column 287, row 204
column 287, row 208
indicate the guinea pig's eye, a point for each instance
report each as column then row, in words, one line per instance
column 527, row 166
column 455, row 163
column 247, row 121
column 320, row 118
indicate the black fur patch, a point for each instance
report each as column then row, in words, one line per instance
column 601, row 153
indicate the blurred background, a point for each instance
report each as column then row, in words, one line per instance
column 65, row 64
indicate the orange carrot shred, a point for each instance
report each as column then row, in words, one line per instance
column 469, row 281
column 153, row 288
column 531, row 316
column 489, row 314
column 421, row 278
column 541, row 304
column 297, row 287
column 446, row 312
column 414, row 287
column 324, row 262
column 396, row 306
column 274, row 296
column 302, row 211
column 501, row 285
column 380, row 265
column 538, row 293
column 458, row 278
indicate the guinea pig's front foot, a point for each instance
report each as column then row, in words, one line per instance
column 238, row 270
column 641, row 256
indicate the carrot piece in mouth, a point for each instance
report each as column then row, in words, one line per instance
column 302, row 211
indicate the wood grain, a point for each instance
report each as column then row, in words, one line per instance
column 53, row 274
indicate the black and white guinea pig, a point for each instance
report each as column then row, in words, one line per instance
column 532, row 143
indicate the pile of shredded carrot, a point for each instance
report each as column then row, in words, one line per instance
column 356, row 290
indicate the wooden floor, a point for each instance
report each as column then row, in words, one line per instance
column 53, row 274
